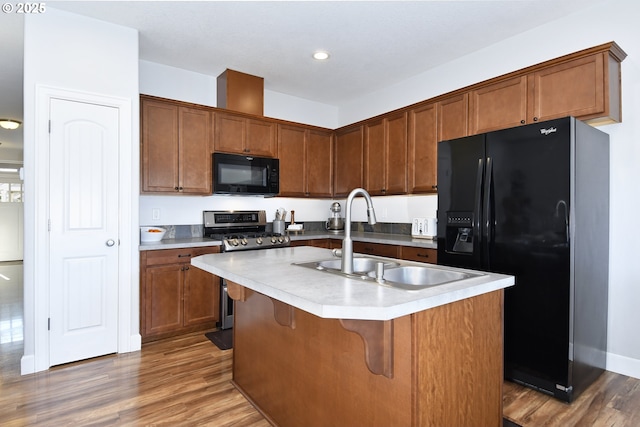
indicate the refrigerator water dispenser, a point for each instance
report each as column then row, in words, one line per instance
column 460, row 232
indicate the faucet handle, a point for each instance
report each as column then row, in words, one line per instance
column 337, row 253
column 380, row 272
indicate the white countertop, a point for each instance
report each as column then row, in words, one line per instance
column 270, row 272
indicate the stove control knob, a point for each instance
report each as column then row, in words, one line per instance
column 244, row 241
column 280, row 239
column 286, row 239
column 259, row 240
column 234, row 242
column 273, row 240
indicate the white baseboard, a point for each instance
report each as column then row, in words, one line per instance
column 27, row 364
column 623, row 365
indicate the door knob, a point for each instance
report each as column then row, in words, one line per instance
column 110, row 242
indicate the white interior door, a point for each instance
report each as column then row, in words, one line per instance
column 83, row 228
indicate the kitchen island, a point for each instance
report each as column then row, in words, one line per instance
column 319, row 349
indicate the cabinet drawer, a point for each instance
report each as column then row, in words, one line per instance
column 173, row 256
column 420, row 254
column 379, row 249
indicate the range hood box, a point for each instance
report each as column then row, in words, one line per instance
column 241, row 92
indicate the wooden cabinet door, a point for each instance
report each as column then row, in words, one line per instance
column 291, row 146
column 163, row 296
column 423, row 149
column 201, row 297
column 319, row 164
column 453, row 117
column 194, row 151
column 396, row 154
column 348, row 161
column 575, row 88
column 261, row 138
column 229, row 133
column 159, row 151
column 498, row 106
column 374, row 157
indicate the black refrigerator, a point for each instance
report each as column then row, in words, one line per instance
column 533, row 202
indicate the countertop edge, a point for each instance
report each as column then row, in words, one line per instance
column 230, row 267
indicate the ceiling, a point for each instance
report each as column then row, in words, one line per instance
column 372, row 44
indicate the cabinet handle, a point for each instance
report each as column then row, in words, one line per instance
column 435, row 187
column 535, row 119
column 176, row 188
column 422, row 255
column 183, row 256
column 522, row 122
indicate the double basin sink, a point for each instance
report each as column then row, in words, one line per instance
column 390, row 272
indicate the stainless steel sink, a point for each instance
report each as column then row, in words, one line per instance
column 402, row 275
column 418, row 277
column 360, row 264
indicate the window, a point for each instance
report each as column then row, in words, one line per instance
column 10, row 192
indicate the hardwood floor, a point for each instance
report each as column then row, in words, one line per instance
column 612, row 400
column 185, row 381
column 178, row 382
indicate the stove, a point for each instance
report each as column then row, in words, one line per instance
column 241, row 230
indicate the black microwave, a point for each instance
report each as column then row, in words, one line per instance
column 245, row 175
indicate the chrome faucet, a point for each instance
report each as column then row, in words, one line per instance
column 347, row 243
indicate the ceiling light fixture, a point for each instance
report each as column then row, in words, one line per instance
column 321, row 55
column 9, row 124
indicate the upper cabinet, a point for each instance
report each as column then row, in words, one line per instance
column 585, row 85
column 175, row 148
column 306, row 161
column 499, row 105
column 423, row 149
column 385, row 155
column 453, row 117
column 245, row 135
column 348, row 160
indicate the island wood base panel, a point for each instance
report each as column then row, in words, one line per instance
column 445, row 365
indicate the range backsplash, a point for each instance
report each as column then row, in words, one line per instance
column 195, row 230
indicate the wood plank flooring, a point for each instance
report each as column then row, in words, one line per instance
column 185, row 381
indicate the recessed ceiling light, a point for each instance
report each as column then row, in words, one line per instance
column 320, row 55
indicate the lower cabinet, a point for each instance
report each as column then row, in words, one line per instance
column 176, row 297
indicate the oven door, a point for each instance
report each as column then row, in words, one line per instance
column 245, row 175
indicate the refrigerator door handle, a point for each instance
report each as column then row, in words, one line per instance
column 486, row 226
column 477, row 210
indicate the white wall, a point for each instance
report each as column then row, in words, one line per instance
column 174, row 83
column 74, row 53
column 615, row 20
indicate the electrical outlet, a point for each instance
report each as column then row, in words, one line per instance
column 155, row 213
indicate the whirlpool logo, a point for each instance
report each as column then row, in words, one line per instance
column 548, row 131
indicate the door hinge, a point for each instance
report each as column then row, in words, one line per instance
column 49, row 225
column 49, row 126
column 48, row 324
